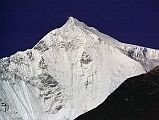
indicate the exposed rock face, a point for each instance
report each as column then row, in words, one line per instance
column 135, row 99
column 68, row 72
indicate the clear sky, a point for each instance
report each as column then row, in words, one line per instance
column 24, row 22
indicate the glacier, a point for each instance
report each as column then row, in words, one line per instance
column 68, row 72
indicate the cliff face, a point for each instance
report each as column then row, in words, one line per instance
column 68, row 72
column 136, row 99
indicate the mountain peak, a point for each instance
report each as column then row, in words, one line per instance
column 74, row 22
column 71, row 19
column 69, row 71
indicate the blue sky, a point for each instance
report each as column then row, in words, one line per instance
column 24, row 22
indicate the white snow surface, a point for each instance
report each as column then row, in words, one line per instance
column 68, row 72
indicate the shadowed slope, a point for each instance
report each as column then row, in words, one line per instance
column 136, row 99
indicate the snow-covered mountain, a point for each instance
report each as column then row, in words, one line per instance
column 71, row 70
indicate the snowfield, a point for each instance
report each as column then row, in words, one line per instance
column 68, row 72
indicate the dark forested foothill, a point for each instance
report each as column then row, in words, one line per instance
column 136, row 99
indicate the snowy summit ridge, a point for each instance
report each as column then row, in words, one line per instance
column 69, row 71
column 73, row 21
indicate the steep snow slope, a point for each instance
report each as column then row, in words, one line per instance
column 68, row 72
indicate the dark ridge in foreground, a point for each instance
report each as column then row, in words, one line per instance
column 136, row 99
